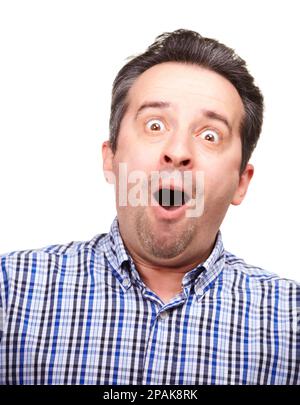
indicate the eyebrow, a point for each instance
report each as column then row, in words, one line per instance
column 163, row 104
column 216, row 116
column 152, row 104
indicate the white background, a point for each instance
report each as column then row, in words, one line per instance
column 57, row 63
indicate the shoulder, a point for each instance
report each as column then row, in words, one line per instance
column 21, row 265
column 259, row 279
column 27, row 275
column 68, row 249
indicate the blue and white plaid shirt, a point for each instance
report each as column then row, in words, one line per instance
column 80, row 314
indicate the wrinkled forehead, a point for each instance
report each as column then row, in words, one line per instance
column 187, row 88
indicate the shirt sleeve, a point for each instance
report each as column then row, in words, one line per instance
column 3, row 293
column 298, row 334
column 1, row 318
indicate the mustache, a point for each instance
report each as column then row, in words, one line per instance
column 177, row 183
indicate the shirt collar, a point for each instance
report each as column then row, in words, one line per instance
column 211, row 268
column 116, row 253
column 202, row 276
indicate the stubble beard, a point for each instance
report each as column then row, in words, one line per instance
column 157, row 243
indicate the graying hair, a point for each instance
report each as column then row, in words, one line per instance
column 189, row 47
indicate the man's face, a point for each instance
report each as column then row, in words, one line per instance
column 180, row 118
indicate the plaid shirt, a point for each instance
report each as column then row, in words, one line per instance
column 80, row 314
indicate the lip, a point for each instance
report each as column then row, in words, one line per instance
column 169, row 215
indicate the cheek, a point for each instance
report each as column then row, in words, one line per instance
column 136, row 158
column 220, row 183
column 131, row 152
column 138, row 162
column 131, row 168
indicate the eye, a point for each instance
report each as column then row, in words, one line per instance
column 210, row 136
column 155, row 125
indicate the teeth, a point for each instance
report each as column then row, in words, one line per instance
column 169, row 198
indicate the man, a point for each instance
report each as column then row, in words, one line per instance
column 158, row 300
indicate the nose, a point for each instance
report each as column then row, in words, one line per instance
column 177, row 153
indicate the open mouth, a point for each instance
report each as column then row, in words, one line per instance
column 171, row 199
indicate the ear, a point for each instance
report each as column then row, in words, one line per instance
column 244, row 182
column 107, row 156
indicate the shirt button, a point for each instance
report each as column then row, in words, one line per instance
column 164, row 315
column 126, row 282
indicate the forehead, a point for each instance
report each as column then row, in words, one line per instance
column 187, row 87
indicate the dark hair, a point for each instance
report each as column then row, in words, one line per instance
column 190, row 47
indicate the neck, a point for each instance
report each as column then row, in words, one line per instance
column 166, row 282
column 164, row 275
